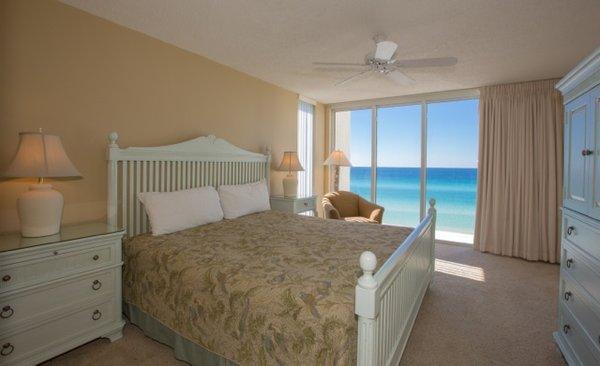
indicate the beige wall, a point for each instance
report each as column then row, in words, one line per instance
column 81, row 77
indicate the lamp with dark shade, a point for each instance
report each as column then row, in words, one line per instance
column 290, row 163
column 40, row 156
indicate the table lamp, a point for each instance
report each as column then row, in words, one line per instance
column 40, row 156
column 337, row 158
column 290, row 163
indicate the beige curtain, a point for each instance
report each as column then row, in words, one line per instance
column 520, row 171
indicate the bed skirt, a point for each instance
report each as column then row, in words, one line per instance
column 183, row 348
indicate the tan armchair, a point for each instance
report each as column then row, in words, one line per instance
column 348, row 206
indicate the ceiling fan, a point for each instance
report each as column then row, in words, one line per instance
column 383, row 61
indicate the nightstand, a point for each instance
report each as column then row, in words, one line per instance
column 59, row 292
column 294, row 204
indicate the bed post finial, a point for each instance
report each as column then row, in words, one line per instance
column 112, row 139
column 431, row 206
column 368, row 262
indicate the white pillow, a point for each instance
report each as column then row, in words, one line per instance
column 244, row 199
column 173, row 211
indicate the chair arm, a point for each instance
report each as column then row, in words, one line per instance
column 329, row 211
column 370, row 210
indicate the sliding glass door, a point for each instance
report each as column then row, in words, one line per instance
column 399, row 164
column 419, row 151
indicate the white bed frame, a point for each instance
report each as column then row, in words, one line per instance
column 387, row 302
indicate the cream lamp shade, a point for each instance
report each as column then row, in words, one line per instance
column 290, row 163
column 338, row 158
column 40, row 156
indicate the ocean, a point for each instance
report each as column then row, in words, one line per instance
column 398, row 191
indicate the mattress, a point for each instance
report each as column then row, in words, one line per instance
column 266, row 288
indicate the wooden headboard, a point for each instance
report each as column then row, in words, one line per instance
column 195, row 163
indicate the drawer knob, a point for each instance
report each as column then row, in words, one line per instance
column 570, row 230
column 6, row 278
column 7, row 312
column 96, row 314
column 96, row 285
column 305, row 203
column 7, row 349
column 568, row 295
column 586, row 152
column 96, row 257
column 566, row 328
column 569, row 262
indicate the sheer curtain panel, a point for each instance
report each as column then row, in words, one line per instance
column 306, row 113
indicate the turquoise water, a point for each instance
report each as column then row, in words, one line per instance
column 398, row 191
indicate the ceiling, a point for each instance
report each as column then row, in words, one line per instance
column 277, row 41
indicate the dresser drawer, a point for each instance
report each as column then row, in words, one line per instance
column 574, row 264
column 573, row 334
column 583, row 234
column 574, row 298
column 53, row 265
column 26, row 306
column 47, row 335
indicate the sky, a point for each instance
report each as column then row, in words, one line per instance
column 452, row 135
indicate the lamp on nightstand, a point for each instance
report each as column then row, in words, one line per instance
column 337, row 158
column 290, row 163
column 40, row 156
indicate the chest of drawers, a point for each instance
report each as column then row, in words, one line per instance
column 57, row 293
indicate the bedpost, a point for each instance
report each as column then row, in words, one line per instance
column 111, row 207
column 433, row 212
column 367, row 309
column 267, row 153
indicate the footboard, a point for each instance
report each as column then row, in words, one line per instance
column 388, row 301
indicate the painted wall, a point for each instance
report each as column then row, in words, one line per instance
column 81, row 77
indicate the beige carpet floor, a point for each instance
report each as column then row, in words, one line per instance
column 482, row 309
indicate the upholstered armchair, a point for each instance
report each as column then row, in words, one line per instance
column 348, row 206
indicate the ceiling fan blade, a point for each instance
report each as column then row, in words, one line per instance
column 347, row 64
column 427, row 62
column 400, row 78
column 385, row 50
column 355, row 76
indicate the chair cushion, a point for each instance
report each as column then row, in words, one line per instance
column 360, row 219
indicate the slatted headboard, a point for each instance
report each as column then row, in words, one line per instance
column 195, row 163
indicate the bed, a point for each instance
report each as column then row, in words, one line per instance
column 265, row 288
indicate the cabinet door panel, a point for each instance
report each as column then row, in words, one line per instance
column 577, row 192
column 595, row 157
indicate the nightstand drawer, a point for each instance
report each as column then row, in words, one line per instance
column 304, row 204
column 30, row 306
column 55, row 264
column 48, row 335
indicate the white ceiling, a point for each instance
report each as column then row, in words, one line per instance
column 495, row 41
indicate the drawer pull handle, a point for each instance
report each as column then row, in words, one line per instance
column 96, row 257
column 7, row 349
column 96, row 285
column 586, row 152
column 570, row 230
column 7, row 312
column 6, row 278
column 568, row 295
column 566, row 328
column 96, row 315
column 569, row 262
column 305, row 203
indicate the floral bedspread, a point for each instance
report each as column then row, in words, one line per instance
column 265, row 289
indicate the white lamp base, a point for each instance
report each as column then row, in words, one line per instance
column 40, row 211
column 290, row 186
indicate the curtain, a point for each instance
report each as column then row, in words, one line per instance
column 306, row 113
column 519, row 189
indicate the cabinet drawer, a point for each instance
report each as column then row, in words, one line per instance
column 50, row 334
column 586, row 310
column 581, row 234
column 58, row 264
column 304, row 205
column 28, row 305
column 574, row 336
column 574, row 264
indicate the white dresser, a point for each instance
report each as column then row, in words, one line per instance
column 59, row 292
column 578, row 334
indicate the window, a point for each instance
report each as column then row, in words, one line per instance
column 306, row 115
column 419, row 149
